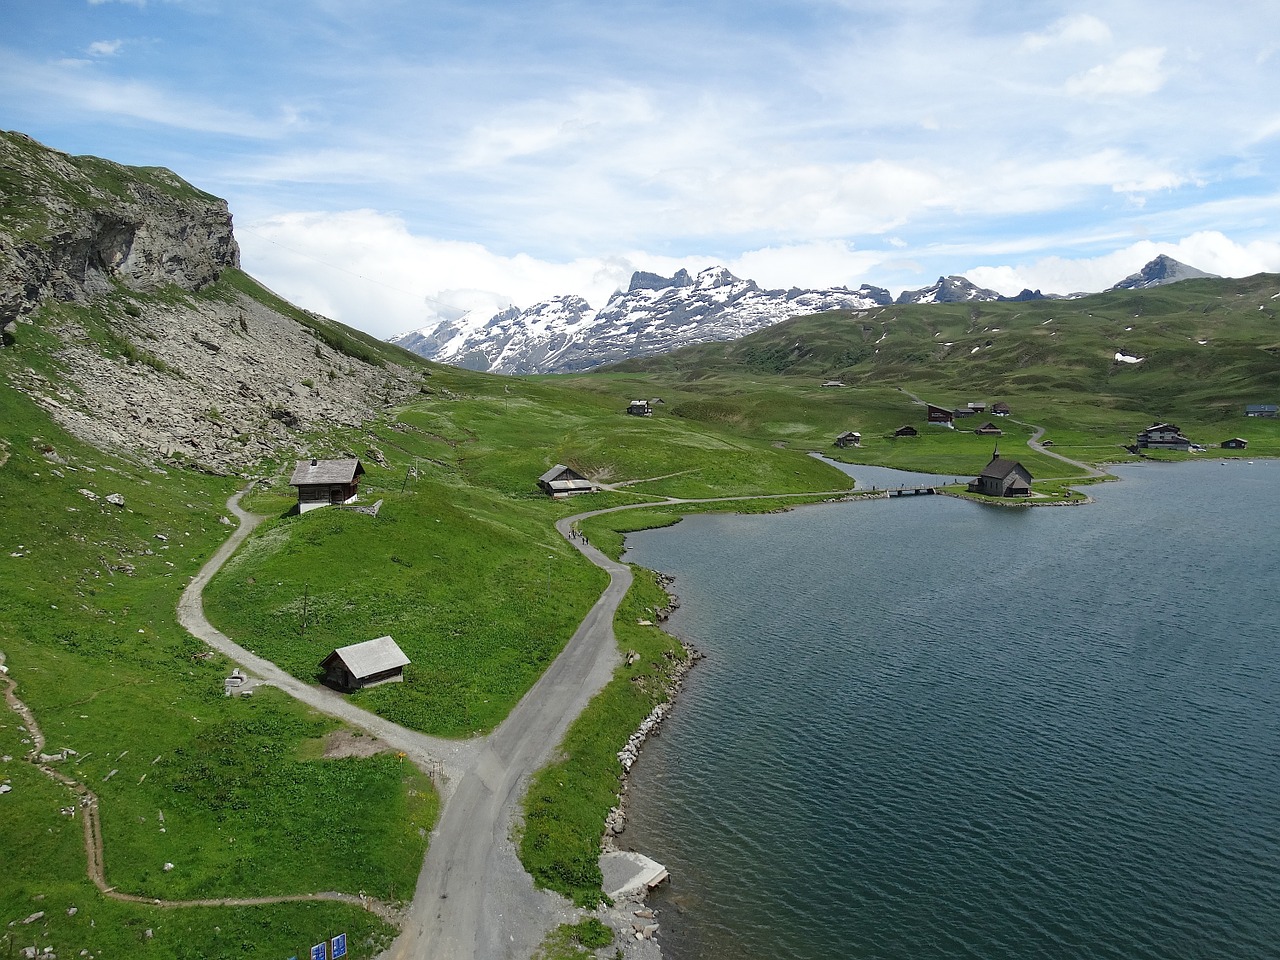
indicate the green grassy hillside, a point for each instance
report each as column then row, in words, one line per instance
column 1207, row 348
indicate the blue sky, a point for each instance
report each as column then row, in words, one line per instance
column 390, row 162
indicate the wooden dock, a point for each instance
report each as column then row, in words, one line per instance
column 910, row 491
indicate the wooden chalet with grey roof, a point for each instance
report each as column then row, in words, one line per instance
column 561, row 481
column 850, row 438
column 324, row 483
column 1235, row 443
column 989, row 429
column 1002, row 478
column 366, row 664
column 1000, row 408
column 907, row 430
column 640, row 408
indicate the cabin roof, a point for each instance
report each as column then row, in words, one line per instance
column 560, row 471
column 370, row 657
column 999, row 468
column 312, row 471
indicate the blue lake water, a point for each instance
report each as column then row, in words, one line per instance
column 928, row 728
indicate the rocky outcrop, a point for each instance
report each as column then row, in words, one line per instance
column 75, row 227
column 165, row 349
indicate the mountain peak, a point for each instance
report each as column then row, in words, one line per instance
column 1163, row 269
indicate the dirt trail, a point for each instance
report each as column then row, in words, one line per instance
column 87, row 807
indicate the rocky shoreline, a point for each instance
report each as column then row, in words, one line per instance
column 632, row 918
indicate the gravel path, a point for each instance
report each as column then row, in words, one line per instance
column 474, row 900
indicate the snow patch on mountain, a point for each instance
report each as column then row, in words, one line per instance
column 654, row 315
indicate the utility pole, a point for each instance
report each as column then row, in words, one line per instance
column 305, row 590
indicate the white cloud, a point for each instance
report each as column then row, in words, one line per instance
column 105, row 48
column 79, row 86
column 1209, row 250
column 1136, row 73
column 1078, row 28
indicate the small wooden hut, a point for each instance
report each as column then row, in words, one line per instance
column 323, row 483
column 561, row 481
column 365, row 664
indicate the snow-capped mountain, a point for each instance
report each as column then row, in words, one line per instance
column 948, row 290
column 654, row 315
column 1158, row 272
column 658, row 314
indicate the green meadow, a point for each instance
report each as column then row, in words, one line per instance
column 463, row 566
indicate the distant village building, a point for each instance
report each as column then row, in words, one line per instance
column 959, row 412
column 907, row 431
column 989, row 429
column 833, row 383
column 1235, row 443
column 365, row 664
column 640, row 408
column 1002, row 478
column 1000, row 408
column 850, row 438
column 323, row 483
column 939, row 414
column 1163, row 436
column 978, row 407
column 561, row 481
column 1260, row 410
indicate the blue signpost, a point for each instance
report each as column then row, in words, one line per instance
column 338, row 946
column 318, row 951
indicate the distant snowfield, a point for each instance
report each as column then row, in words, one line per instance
column 1125, row 358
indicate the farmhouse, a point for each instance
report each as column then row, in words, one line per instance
column 365, row 665
column 1260, row 410
column 1163, row 436
column 1235, row 443
column 850, row 438
column 640, row 408
column 989, row 429
column 1000, row 408
column 978, row 407
column 561, row 481
column 1002, row 478
column 323, row 483
column 939, row 414
column 907, row 431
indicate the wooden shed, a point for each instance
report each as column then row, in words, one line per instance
column 1235, row 443
column 850, row 438
column 365, row 664
column 906, row 431
column 989, row 429
column 640, row 408
column 561, row 481
column 323, row 483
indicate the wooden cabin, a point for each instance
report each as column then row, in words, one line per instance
column 1002, row 478
column 1235, row 443
column 1261, row 410
column 906, row 431
column 561, row 481
column 940, row 414
column 323, row 483
column 640, row 408
column 366, row 664
column 1000, row 408
column 989, row 429
column 850, row 438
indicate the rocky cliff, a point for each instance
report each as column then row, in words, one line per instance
column 125, row 315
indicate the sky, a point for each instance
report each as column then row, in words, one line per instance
column 391, row 163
